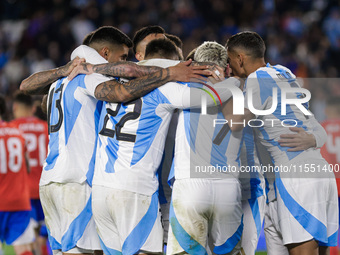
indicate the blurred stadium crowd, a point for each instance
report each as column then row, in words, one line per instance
column 303, row 35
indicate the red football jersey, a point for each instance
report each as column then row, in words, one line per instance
column 14, row 189
column 35, row 132
column 331, row 150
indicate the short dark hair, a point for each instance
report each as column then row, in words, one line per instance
column 87, row 38
column 111, row 35
column 163, row 48
column 144, row 32
column 22, row 98
column 191, row 54
column 175, row 39
column 249, row 41
column 2, row 106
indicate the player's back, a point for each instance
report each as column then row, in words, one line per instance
column 73, row 114
column 14, row 190
column 132, row 138
column 131, row 142
column 260, row 85
column 203, row 149
column 35, row 132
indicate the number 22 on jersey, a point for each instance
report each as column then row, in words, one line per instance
column 117, row 129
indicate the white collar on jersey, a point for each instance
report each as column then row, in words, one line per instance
column 91, row 55
column 160, row 62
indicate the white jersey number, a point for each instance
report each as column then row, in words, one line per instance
column 32, row 144
column 14, row 148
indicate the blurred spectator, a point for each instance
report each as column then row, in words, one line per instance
column 331, row 27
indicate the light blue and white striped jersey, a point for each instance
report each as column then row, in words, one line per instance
column 261, row 84
column 132, row 136
column 73, row 114
column 205, row 150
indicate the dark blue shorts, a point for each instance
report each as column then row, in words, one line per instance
column 13, row 225
column 37, row 212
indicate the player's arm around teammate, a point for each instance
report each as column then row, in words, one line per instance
column 39, row 83
column 113, row 91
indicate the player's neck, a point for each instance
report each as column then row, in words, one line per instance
column 23, row 114
column 255, row 65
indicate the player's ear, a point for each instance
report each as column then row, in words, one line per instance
column 240, row 58
column 227, row 71
column 104, row 52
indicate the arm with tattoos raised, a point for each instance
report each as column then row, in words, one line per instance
column 39, row 83
column 122, row 69
column 113, row 91
column 129, row 69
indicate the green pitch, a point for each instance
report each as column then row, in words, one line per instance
column 8, row 250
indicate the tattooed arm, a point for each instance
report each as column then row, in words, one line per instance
column 39, row 83
column 127, row 69
column 113, row 91
column 123, row 69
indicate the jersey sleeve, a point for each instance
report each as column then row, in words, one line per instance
column 184, row 96
column 93, row 57
column 174, row 92
column 90, row 55
column 93, row 80
column 318, row 131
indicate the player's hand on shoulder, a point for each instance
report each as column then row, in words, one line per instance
column 186, row 73
column 81, row 68
column 68, row 68
column 216, row 72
